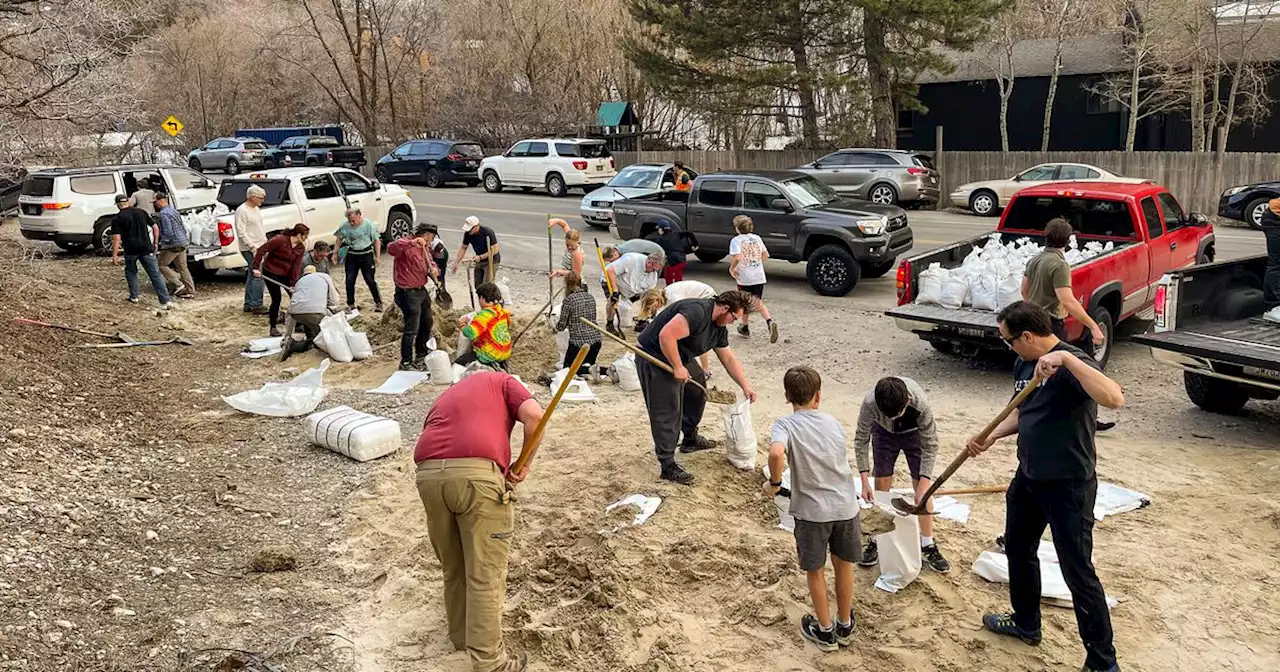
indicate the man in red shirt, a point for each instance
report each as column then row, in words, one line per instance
column 464, row 476
column 413, row 263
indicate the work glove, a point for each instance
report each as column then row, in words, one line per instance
column 615, row 297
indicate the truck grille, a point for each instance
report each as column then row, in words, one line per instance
column 898, row 222
column 600, row 204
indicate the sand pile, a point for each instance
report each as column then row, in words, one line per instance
column 390, row 325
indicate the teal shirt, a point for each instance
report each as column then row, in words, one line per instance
column 358, row 237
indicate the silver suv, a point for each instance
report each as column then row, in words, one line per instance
column 228, row 154
column 883, row 176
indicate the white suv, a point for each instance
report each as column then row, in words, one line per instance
column 73, row 207
column 555, row 163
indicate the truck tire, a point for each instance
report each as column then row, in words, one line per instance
column 877, row 269
column 984, row 203
column 945, row 347
column 102, row 237
column 201, row 272
column 1206, row 255
column 1102, row 353
column 1214, row 394
column 555, row 186
column 1253, row 212
column 492, row 183
column 399, row 225
column 708, row 256
column 194, row 164
column 832, row 271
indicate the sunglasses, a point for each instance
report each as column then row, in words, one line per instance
column 1009, row 341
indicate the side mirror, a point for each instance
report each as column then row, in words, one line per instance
column 1199, row 219
column 375, row 184
column 668, row 185
column 206, row 184
column 781, row 204
column 816, row 164
column 1017, row 178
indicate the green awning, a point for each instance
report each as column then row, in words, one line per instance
column 615, row 114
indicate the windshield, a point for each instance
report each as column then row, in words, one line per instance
column 232, row 192
column 640, row 178
column 807, row 192
column 1088, row 216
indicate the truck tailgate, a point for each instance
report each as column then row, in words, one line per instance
column 965, row 321
column 1250, row 342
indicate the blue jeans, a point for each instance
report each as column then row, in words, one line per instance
column 152, row 267
column 252, row 286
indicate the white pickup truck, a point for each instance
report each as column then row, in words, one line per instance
column 318, row 197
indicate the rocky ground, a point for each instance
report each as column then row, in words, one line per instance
column 134, row 502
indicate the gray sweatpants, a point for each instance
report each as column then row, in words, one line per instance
column 672, row 410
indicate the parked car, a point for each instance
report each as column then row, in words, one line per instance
column 434, row 163
column 1207, row 324
column 988, row 197
column 882, row 176
column 1246, row 203
column 73, row 207
column 1151, row 235
column 313, row 150
column 798, row 217
column 277, row 134
column 11, row 179
column 558, row 164
column 637, row 179
column 317, row 197
column 228, row 154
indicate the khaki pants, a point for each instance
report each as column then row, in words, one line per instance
column 176, row 256
column 470, row 521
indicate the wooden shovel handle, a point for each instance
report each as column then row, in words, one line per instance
column 652, row 360
column 531, row 446
column 986, row 489
column 605, row 271
column 545, row 306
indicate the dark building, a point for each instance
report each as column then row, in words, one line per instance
column 966, row 102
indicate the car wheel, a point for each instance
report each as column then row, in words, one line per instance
column 399, row 225
column 708, row 256
column 555, row 186
column 1253, row 212
column 1214, row 394
column 883, row 194
column 1102, row 353
column 233, row 167
column 313, row 162
column 945, row 347
column 832, row 271
column 1206, row 255
column 194, row 164
column 983, row 203
column 433, row 178
column 491, row 182
column 876, row 270
column 102, row 237
column 380, row 174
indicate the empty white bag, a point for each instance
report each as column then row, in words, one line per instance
column 292, row 398
column 741, row 435
column 900, row 558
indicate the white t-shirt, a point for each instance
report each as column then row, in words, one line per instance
column 633, row 279
column 750, row 250
column 688, row 289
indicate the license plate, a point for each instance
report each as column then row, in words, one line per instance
column 29, row 209
column 599, row 167
column 1264, row 373
column 933, row 180
column 971, row 332
column 201, row 256
column 473, row 164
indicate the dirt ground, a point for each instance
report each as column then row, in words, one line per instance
column 133, row 502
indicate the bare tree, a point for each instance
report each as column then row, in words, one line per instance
column 1247, row 90
column 1065, row 18
column 1008, row 31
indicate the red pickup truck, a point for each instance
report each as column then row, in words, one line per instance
column 1151, row 233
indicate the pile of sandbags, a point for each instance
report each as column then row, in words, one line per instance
column 202, row 226
column 990, row 277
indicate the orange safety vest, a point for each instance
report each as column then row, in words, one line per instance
column 683, row 183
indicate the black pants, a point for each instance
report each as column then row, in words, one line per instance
column 274, row 290
column 672, row 410
column 1271, row 281
column 415, row 305
column 480, row 274
column 1066, row 506
column 362, row 264
column 571, row 353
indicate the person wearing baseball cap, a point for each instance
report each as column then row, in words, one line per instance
column 133, row 230
column 676, row 244
column 439, row 253
column 484, row 244
column 412, row 269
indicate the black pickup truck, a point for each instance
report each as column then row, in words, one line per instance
column 799, row 218
column 313, row 150
column 1209, row 324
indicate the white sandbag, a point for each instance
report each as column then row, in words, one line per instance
column 440, row 368
column 578, row 390
column 562, row 345
column 359, row 436
column 900, row 558
column 740, row 434
column 785, row 520
column 624, row 373
column 358, row 342
column 333, row 329
column 458, row 372
column 1272, row 315
column 626, row 313
column 299, row 396
column 504, row 286
column 955, row 292
column 985, row 292
column 1008, row 290
column 994, row 567
column 931, row 280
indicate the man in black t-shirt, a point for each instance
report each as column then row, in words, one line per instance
column 134, row 230
column 1055, row 484
column 677, row 336
column 484, row 243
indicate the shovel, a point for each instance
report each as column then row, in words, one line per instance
column 641, row 353
column 288, row 290
column 911, row 508
column 535, row 439
column 545, row 306
column 442, row 297
column 177, row 340
column 119, row 335
column 471, row 291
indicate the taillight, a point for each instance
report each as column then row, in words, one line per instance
column 328, row 155
column 904, row 283
column 54, row 206
column 226, row 235
column 915, row 171
column 454, row 157
column 611, row 162
column 1162, row 293
column 579, row 165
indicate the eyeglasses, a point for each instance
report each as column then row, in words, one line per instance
column 1009, row 341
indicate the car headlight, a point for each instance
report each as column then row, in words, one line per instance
column 872, row 227
column 1233, row 191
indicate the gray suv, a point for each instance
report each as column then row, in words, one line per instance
column 228, row 154
column 883, row 176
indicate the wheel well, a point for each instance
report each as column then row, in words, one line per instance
column 1111, row 301
column 550, row 173
column 402, row 209
column 812, row 243
column 882, row 183
column 983, row 190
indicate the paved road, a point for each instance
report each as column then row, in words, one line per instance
column 519, row 219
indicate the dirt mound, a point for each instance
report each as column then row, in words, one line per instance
column 390, row 325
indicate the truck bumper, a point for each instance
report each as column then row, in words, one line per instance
column 883, row 248
column 976, row 328
column 222, row 260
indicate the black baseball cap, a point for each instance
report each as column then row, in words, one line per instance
column 424, row 227
column 121, row 198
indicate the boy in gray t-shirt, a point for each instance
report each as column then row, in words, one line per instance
column 824, row 502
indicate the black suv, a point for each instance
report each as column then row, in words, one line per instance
column 432, row 162
column 1246, row 203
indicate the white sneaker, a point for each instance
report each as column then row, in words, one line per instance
column 166, row 306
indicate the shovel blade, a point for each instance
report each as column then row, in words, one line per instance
column 444, row 299
column 908, row 507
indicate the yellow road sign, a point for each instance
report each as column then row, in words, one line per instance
column 172, row 126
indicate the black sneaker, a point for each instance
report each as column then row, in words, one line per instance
column 870, row 555
column 699, row 442
column 409, row 366
column 744, row 330
column 825, row 640
column 1002, row 624
column 933, row 558
column 274, row 333
column 420, row 363
column 844, row 633
column 676, row 474
column 1103, row 426
column 613, row 329
column 377, row 307
column 773, row 331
